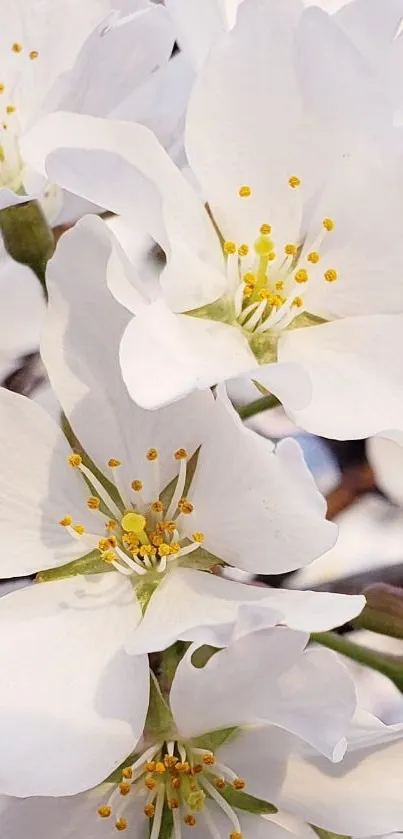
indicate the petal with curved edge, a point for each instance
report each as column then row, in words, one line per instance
column 308, row 693
column 258, row 509
column 38, row 488
column 74, row 704
column 356, row 375
column 22, row 309
column 84, row 369
column 385, row 454
column 199, row 24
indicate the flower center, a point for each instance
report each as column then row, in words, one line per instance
column 177, row 777
column 11, row 163
column 136, row 537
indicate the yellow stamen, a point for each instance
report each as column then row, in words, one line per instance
column 159, row 768
column 150, row 766
column 124, row 788
column 272, row 256
column 170, row 761
column 79, row 529
column 294, row 181
column 127, row 772
column 150, row 783
column 113, row 462
column 75, row 460
column 149, row 810
column 265, row 229
column 328, row 224
column 66, row 521
column 104, row 811
column 2, row 87
column 301, row 276
column 11, row 109
column 290, row 249
column 209, row 760
column 137, row 486
column 121, row 824
column 229, row 247
column 93, row 503
column 174, row 548
column 157, row 507
column 109, row 556
column 244, row 191
column 181, row 454
column 235, row 835
column 183, row 767
column 297, row 302
column 220, row 783
column 112, row 525
column 330, row 275
column 173, row 803
column 190, row 820
column 198, row 536
column 239, row 783
column 243, row 250
column 249, row 278
column 164, row 549
column 176, row 782
column 248, row 291
column 313, row 257
column 152, row 454
column 279, row 285
column 185, row 506
column 33, row 54
column 16, row 47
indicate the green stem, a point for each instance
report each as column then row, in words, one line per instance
column 259, row 405
column 389, row 665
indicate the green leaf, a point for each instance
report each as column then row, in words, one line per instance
column 214, row 739
column 91, row 563
column 244, row 801
column 159, row 722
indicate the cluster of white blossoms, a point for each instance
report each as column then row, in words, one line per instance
column 143, row 690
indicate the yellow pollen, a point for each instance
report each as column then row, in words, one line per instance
column 33, row 54
column 248, row 291
column 239, row 783
column 75, row 460
column 235, row 835
column 159, row 768
column 152, row 454
column 290, row 249
column 121, row 824
column 156, row 539
column 244, row 191
column 301, row 276
column 313, row 257
column 109, row 556
column 66, row 521
column 265, row 294
column 173, row 803
column 279, row 285
column 127, row 772
column 11, row 109
column 104, row 811
column 181, row 454
column 112, row 541
column 147, row 550
column 198, row 536
column 183, row 767
column 170, row 761
column 124, row 788
column 93, row 503
column 16, row 47
column 149, row 810
column 249, row 278
column 197, row 768
column 265, row 229
column 104, row 544
column 174, row 548
column 169, row 526
column 137, row 486
column 243, row 250
column 79, row 529
column 2, row 87
column 133, row 523
column 328, row 224
column 220, row 783
column 190, row 820
column 157, row 507
column 272, row 256
column 209, row 760
column 150, row 783
column 229, row 247
column 185, row 506
column 111, row 525
column 150, row 766
column 176, row 782
column 294, row 182
column 297, row 302
column 330, row 275
column 164, row 549
column 113, row 462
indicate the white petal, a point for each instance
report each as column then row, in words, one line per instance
column 179, row 354
column 74, row 704
column 38, row 488
column 356, row 375
column 258, row 509
column 22, row 309
column 385, row 454
column 309, row 694
column 199, row 23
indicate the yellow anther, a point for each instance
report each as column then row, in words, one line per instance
column 185, row 506
column 149, row 810
column 209, row 759
column 121, row 824
column 174, row 548
column 152, row 454
column 169, row 526
column 79, row 529
column 112, row 541
column 11, row 109
column 164, row 549
column 197, row 768
column 183, row 768
column 16, row 47
column 172, row 803
column 220, row 783
column 328, row 224
column 181, row 454
column 66, row 521
column 133, row 523
column 33, row 54
column 159, row 768
column 2, row 87
column 93, row 503
column 243, row 250
column 294, row 181
column 150, row 783
column 330, row 275
column 113, row 462
column 75, row 460
column 111, row 524
column 244, row 191
column 229, row 247
column 109, row 556
column 176, row 782
column 124, row 788
column 170, row 761
column 156, row 539
column 265, row 229
column 248, row 291
column 147, row 550
column 2, row 155
column 190, row 820
column 137, row 486
column 150, row 766
column 297, row 302
column 239, row 783
column 290, row 249
column 104, row 811
column 313, row 257
column 265, row 294
column 264, row 246
column 198, row 536
column 103, row 544
column 157, row 507
column 301, row 276
column 249, row 278
column 127, row 772
column 235, row 835
column 272, row 256
column 280, row 285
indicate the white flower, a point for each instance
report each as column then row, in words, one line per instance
column 304, row 693
column 21, row 312
column 66, row 55
column 385, row 454
column 310, row 294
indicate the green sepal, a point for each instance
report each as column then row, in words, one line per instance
column 144, row 592
column 244, row 801
column 214, row 739
column 200, row 560
column 327, row 834
column 108, row 485
column 202, row 655
column 27, row 237
column 159, row 722
column 91, row 563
